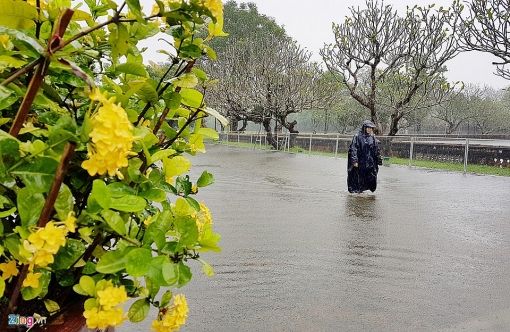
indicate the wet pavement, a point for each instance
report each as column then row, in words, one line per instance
column 428, row 251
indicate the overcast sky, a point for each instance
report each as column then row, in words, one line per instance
column 309, row 23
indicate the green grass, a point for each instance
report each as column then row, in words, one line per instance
column 456, row 167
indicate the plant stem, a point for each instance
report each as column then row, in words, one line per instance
column 57, row 183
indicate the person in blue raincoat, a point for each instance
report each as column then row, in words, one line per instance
column 364, row 159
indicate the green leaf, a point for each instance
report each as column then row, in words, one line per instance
column 29, row 293
column 119, row 189
column 111, row 262
column 10, row 62
column 139, row 310
column 12, row 242
column 207, row 269
column 100, row 194
column 176, row 166
column 134, row 6
column 192, row 98
column 183, row 274
column 6, row 213
column 156, row 195
column 200, row 74
column 33, row 46
column 170, row 273
column 147, row 93
column 88, row 285
column 7, row 98
column 2, row 287
column 138, row 262
column 162, row 154
column 172, row 100
column 132, row 69
column 151, row 286
column 193, row 203
column 115, row 221
column 17, row 14
column 37, row 175
column 208, row 132
column 68, row 255
column 9, row 152
column 166, row 298
column 223, row 120
column 128, row 203
column 206, row 179
column 134, row 170
column 30, row 206
column 155, row 273
column 187, row 228
column 161, row 222
column 209, row 240
column 64, row 203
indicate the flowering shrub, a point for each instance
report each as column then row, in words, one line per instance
column 96, row 205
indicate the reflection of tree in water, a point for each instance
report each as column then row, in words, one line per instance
column 364, row 235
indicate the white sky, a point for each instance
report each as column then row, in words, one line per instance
column 309, row 23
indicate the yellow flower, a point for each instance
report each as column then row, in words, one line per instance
column 54, row 237
column 71, row 222
column 147, row 221
column 44, row 243
column 111, row 296
column 194, row 189
column 202, row 217
column 215, row 6
column 97, row 318
column 4, row 40
column 42, row 258
column 174, row 317
column 32, row 280
column 9, row 269
column 111, row 138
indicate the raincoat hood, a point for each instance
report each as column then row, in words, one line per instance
column 366, row 124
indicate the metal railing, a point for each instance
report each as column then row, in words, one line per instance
column 495, row 152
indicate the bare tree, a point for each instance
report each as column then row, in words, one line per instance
column 404, row 57
column 461, row 108
column 486, row 28
column 371, row 42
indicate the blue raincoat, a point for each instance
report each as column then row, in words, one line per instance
column 364, row 151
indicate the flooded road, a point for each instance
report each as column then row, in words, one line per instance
column 428, row 251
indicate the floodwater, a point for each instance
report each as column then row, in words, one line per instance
column 428, row 251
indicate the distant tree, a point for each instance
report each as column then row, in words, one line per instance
column 491, row 115
column 460, row 109
column 265, row 77
column 486, row 28
column 377, row 44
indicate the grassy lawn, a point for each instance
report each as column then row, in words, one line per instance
column 457, row 167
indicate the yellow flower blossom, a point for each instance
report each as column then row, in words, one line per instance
column 194, row 189
column 112, row 296
column 111, row 138
column 9, row 269
column 96, row 318
column 147, row 221
column 43, row 258
column 215, row 6
column 54, row 237
column 45, row 243
column 32, row 280
column 202, row 217
column 4, row 40
column 174, row 316
column 70, row 222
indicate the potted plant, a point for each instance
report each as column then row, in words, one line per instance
column 96, row 205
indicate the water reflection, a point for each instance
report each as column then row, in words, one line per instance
column 364, row 235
